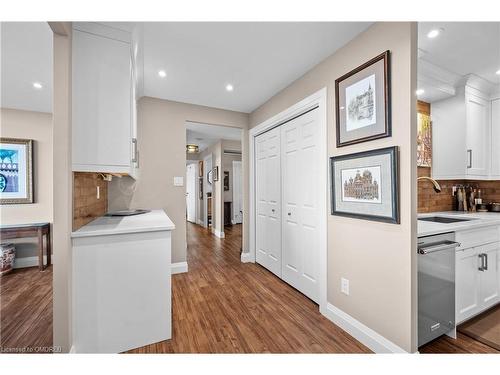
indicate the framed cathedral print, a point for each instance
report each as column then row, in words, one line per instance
column 365, row 185
column 363, row 102
column 16, row 171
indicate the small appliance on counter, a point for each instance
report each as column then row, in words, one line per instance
column 494, row 207
column 127, row 212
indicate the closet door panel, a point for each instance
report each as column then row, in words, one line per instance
column 300, row 204
column 291, row 195
column 268, row 198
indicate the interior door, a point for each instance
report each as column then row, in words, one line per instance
column 268, row 200
column 191, row 193
column 237, row 193
column 300, row 218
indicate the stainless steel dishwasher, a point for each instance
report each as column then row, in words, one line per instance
column 436, row 286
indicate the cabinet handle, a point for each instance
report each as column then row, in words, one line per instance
column 134, row 150
column 481, row 268
column 469, row 156
column 485, row 257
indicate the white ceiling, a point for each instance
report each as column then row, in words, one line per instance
column 461, row 49
column 26, row 57
column 205, row 135
column 258, row 59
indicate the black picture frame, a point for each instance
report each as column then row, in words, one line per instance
column 387, row 132
column 393, row 152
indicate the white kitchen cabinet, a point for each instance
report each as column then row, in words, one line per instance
column 104, row 125
column 466, row 137
column 495, row 138
column 477, row 135
column 477, row 279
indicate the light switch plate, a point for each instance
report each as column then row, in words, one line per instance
column 178, row 181
column 344, row 286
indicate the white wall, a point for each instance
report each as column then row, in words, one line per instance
column 379, row 259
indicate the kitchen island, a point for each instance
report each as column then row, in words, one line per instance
column 122, row 283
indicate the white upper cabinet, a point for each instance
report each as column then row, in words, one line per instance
column 477, row 135
column 495, row 138
column 104, row 125
column 466, row 136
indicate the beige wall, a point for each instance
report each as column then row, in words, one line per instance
column 37, row 126
column 379, row 259
column 62, row 186
column 162, row 155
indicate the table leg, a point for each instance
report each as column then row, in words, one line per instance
column 49, row 246
column 40, row 250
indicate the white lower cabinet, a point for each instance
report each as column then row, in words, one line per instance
column 287, row 193
column 477, row 279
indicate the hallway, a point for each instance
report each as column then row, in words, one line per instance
column 224, row 306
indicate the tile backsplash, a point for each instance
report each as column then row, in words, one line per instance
column 430, row 201
column 86, row 206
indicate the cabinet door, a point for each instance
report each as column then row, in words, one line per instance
column 301, row 215
column 448, row 138
column 489, row 294
column 478, row 135
column 101, row 103
column 495, row 138
column 268, row 200
column 467, row 284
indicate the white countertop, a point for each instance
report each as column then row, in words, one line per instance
column 478, row 219
column 154, row 221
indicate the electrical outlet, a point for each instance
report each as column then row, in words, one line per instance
column 344, row 286
column 179, row 181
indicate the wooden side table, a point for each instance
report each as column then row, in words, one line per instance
column 37, row 230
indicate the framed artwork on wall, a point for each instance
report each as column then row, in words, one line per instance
column 424, row 140
column 226, row 180
column 363, row 102
column 16, row 171
column 215, row 173
column 365, row 185
column 200, row 168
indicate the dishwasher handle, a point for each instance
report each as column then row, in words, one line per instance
column 432, row 248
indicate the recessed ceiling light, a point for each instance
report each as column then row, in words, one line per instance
column 419, row 91
column 162, row 73
column 229, row 87
column 497, row 72
column 37, row 85
column 433, row 33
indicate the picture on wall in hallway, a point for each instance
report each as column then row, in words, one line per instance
column 362, row 102
column 16, row 171
column 365, row 185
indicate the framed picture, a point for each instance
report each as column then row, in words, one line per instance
column 200, row 168
column 200, row 188
column 16, row 171
column 424, row 140
column 363, row 102
column 215, row 173
column 365, row 185
column 226, row 180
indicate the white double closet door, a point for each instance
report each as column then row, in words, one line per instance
column 287, row 195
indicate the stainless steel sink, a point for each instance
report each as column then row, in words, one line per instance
column 443, row 220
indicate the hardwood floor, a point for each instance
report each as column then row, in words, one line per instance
column 224, row 306
column 462, row 345
column 26, row 310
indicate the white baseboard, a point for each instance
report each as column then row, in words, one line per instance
column 179, row 267
column 29, row 262
column 362, row 333
column 200, row 222
column 245, row 258
column 218, row 233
